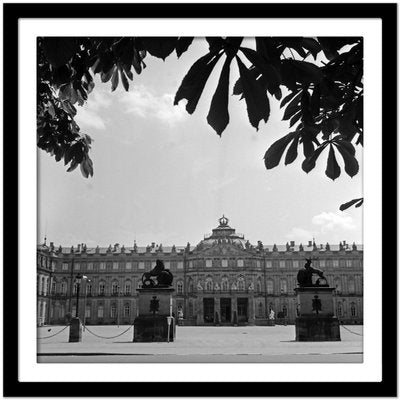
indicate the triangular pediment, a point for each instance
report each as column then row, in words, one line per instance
column 222, row 249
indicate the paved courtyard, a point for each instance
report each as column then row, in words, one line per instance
column 199, row 344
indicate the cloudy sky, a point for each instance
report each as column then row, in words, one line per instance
column 161, row 175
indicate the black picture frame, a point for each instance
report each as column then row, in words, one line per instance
column 12, row 386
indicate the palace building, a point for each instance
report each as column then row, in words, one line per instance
column 223, row 280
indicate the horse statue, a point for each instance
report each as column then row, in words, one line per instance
column 163, row 277
column 304, row 276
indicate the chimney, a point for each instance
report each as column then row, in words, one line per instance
column 153, row 244
column 292, row 243
column 309, row 243
column 79, row 247
column 344, row 243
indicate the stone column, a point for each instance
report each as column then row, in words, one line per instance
column 251, row 310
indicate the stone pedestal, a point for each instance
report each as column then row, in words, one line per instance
column 151, row 325
column 316, row 320
column 75, row 330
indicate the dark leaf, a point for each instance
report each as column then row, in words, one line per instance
column 124, row 80
column 218, row 116
column 315, row 100
column 350, row 163
column 114, row 79
column 106, row 76
column 183, row 44
column 256, row 98
column 193, row 83
column 59, row 50
column 274, row 154
column 332, row 168
column 291, row 154
column 73, row 165
column 308, row 147
column 309, row 163
column 312, row 46
column 292, row 108
column 345, row 206
column 160, row 47
column 295, row 118
column 290, row 97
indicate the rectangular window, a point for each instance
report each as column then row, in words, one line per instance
column 224, row 263
column 268, row 264
column 115, row 265
column 282, row 264
column 100, row 312
column 335, row 263
column 240, row 263
column 65, row 266
column 90, row 266
column 295, row 263
column 180, row 264
column 208, row 263
column 167, row 265
column 190, row 264
column 258, row 263
column 102, row 265
column 322, row 263
column 348, row 263
column 141, row 265
column 87, row 312
column 128, row 265
column 77, row 266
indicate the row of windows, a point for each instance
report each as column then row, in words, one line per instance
column 126, row 312
column 145, row 265
column 209, row 263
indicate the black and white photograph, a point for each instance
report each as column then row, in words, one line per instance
column 199, row 200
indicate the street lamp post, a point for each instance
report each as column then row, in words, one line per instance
column 84, row 304
column 75, row 329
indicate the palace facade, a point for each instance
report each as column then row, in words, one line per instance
column 223, row 280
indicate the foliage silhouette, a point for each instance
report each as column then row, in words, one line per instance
column 322, row 79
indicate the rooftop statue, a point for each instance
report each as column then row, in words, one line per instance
column 304, row 276
column 163, row 277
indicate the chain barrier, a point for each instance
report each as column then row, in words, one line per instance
column 354, row 333
column 55, row 334
column 111, row 337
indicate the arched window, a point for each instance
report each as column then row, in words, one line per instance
column 127, row 310
column 115, row 288
column 88, row 289
column 337, row 284
column 339, row 310
column 100, row 311
column 53, row 287
column 64, row 287
column 102, row 288
column 353, row 310
column 225, row 284
column 87, row 311
column 270, row 286
column 283, row 284
column 179, row 287
column 75, row 288
column 209, row 284
column 43, row 285
column 259, row 285
column 240, row 283
column 190, row 286
column 128, row 288
column 351, row 285
column 113, row 311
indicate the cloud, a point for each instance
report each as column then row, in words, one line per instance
column 143, row 103
column 90, row 113
column 329, row 221
column 89, row 118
